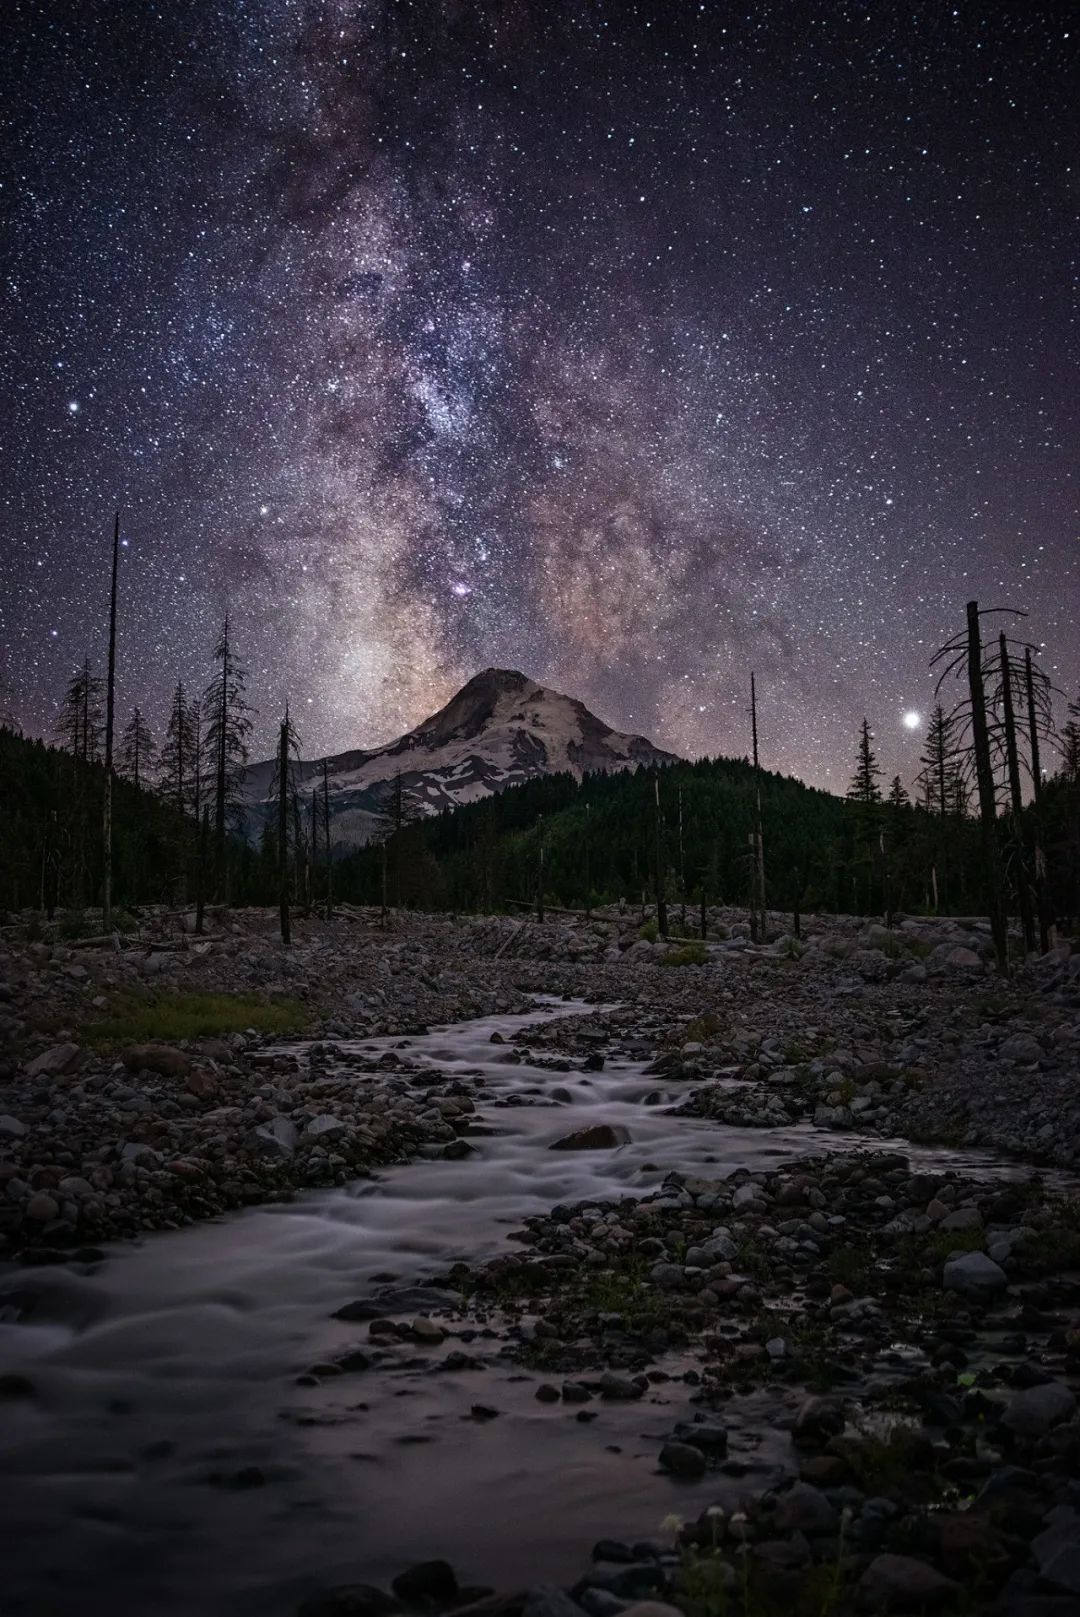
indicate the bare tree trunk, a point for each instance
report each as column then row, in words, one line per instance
column 110, row 714
column 222, row 763
column 1012, row 755
column 682, row 866
column 984, row 774
column 326, row 842
column 1042, row 898
column 757, row 907
column 588, row 877
column 283, row 831
column 661, row 898
column 200, row 871
column 540, row 870
column 385, row 907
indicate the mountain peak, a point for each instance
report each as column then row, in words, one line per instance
column 500, row 729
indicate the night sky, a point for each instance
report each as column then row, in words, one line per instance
column 633, row 346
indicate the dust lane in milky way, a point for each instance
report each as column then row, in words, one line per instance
column 628, row 345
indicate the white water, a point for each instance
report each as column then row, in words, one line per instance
column 178, row 1358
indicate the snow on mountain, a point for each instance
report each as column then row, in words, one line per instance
column 499, row 730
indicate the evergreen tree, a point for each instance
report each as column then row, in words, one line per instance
column 864, row 786
column 176, row 761
column 939, row 759
column 898, row 794
column 228, row 726
column 80, row 726
column 137, row 750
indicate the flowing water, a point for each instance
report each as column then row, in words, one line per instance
column 168, row 1373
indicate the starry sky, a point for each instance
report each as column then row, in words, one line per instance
column 631, row 345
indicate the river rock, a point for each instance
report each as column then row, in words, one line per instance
column 682, row 1460
column 546, row 1600
column 598, row 1137
column 322, row 1130
column 11, row 1127
column 164, row 1059
column 900, row 1583
column 62, row 1058
column 805, row 1509
column 1057, row 1550
column 42, row 1208
column 1032, row 1412
column 276, row 1138
column 974, row 1275
column 429, row 1583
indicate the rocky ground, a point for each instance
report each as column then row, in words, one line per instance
column 918, row 1335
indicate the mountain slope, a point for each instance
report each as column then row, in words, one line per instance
column 500, row 730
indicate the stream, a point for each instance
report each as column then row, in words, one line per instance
column 171, row 1463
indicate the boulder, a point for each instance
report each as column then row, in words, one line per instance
column 322, row 1130
column 682, row 1460
column 164, row 1059
column 973, row 1274
column 958, row 958
column 805, row 1509
column 900, row 1583
column 11, row 1127
column 61, row 1058
column 598, row 1137
column 276, row 1138
column 1032, row 1412
column 428, row 1583
column 1057, row 1550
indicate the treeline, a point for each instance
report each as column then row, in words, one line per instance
column 990, row 825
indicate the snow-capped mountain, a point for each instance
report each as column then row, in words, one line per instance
column 499, row 730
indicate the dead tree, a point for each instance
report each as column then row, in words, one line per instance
column 1016, row 806
column 540, row 869
column 658, row 839
column 228, row 728
column 757, row 901
column 1038, row 717
column 283, row 828
column 326, row 840
column 965, row 652
column 110, row 719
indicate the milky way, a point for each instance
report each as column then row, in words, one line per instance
column 630, row 345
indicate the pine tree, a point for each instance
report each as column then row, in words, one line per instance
column 939, row 760
column 176, row 762
column 137, row 750
column 898, row 794
column 80, row 724
column 864, row 786
column 228, row 726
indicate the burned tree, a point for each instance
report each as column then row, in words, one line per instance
column 228, row 726
column 110, row 726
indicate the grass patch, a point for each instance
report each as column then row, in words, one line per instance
column 901, row 1461
column 701, row 1029
column 1049, row 1251
column 691, row 954
column 649, row 932
column 171, row 1018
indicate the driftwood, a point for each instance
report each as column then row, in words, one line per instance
column 555, row 909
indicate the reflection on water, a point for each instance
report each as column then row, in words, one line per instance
column 165, row 1378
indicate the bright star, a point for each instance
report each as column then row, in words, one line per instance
column 912, row 720
column 73, row 406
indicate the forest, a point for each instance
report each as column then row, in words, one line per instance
column 987, row 828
